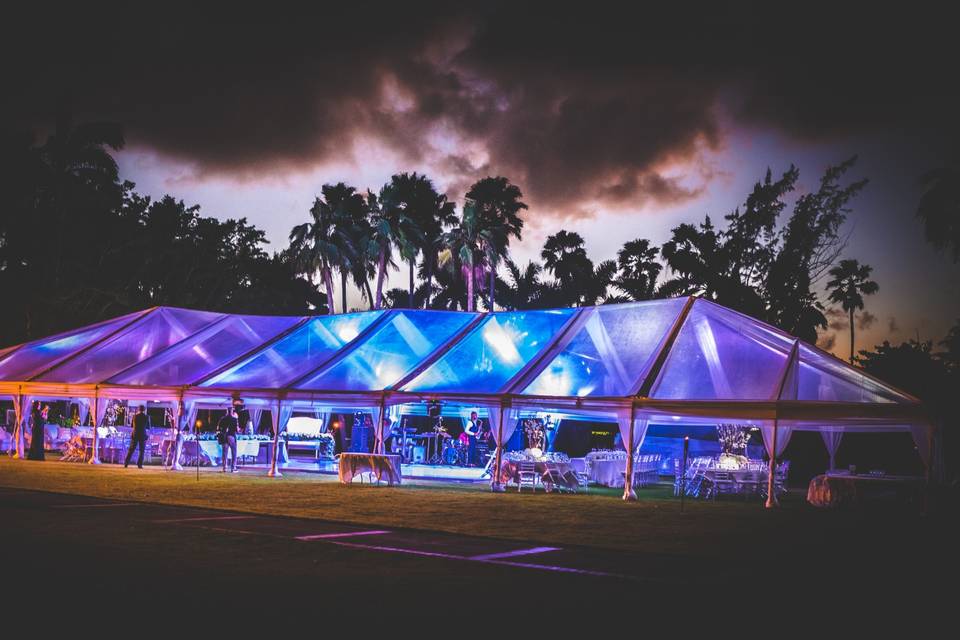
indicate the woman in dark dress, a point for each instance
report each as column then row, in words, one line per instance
column 38, row 418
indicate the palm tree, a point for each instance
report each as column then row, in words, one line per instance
column 525, row 289
column 324, row 243
column 351, row 231
column 939, row 208
column 638, row 269
column 428, row 213
column 849, row 284
column 499, row 203
column 565, row 257
column 390, row 231
column 463, row 248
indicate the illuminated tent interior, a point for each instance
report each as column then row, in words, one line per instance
column 680, row 361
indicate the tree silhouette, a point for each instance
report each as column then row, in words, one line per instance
column 324, row 244
column 939, row 208
column 638, row 269
column 850, row 282
column 428, row 212
column 499, row 204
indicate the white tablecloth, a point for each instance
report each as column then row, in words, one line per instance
column 384, row 467
column 244, row 448
column 608, row 472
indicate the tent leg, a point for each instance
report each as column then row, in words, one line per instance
column 495, row 484
column 95, row 452
column 628, row 493
column 771, row 485
column 275, row 417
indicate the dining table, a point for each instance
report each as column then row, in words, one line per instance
column 381, row 466
column 608, row 473
column 832, row 490
column 552, row 473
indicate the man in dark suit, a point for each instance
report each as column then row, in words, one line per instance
column 227, row 435
column 138, row 438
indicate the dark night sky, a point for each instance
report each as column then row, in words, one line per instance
column 615, row 124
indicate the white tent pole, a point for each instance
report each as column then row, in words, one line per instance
column 95, row 452
column 628, row 493
column 499, row 453
column 771, row 498
column 18, row 428
column 275, row 418
column 379, row 430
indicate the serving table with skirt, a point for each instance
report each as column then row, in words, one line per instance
column 552, row 473
column 383, row 467
column 840, row 489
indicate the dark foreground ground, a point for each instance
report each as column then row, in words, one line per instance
column 171, row 564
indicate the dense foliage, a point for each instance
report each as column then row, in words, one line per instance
column 78, row 244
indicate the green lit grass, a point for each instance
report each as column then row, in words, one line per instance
column 598, row 519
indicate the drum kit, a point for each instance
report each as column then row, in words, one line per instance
column 436, row 447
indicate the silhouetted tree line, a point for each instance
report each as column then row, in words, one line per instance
column 78, row 244
column 756, row 262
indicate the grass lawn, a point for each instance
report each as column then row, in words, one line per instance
column 598, row 519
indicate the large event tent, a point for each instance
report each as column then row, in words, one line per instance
column 675, row 361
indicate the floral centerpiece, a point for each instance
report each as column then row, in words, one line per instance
column 326, row 446
column 733, row 440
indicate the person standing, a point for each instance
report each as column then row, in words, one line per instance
column 472, row 429
column 38, row 419
column 227, row 435
column 138, row 436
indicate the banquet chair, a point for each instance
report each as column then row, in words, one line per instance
column 748, row 483
column 527, row 476
column 780, row 477
column 583, row 477
column 723, row 482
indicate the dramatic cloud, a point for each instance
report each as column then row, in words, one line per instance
column 838, row 319
column 586, row 111
column 892, row 325
column 865, row 320
column 827, row 342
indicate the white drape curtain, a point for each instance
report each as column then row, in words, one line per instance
column 376, row 414
column 84, row 410
column 635, row 428
column 501, row 435
column 380, row 431
column 23, row 423
column 510, row 418
column 279, row 417
column 188, row 414
column 17, row 427
column 783, row 438
column 639, row 431
column 831, row 439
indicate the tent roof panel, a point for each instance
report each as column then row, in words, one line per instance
column 149, row 335
column 205, row 351
column 719, row 354
column 295, row 355
column 611, row 352
column 35, row 357
column 824, row 378
column 390, row 352
column 487, row 358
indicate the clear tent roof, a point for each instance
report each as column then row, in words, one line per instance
column 707, row 353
